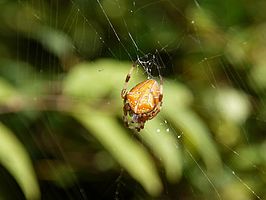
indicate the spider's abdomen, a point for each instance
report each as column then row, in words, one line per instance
column 144, row 97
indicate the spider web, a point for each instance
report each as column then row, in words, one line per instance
column 153, row 63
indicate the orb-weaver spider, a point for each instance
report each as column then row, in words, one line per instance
column 143, row 102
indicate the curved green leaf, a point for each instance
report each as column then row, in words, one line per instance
column 96, row 79
column 131, row 155
column 161, row 139
column 16, row 160
column 176, row 108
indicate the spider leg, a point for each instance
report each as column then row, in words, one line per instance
column 141, row 126
column 126, row 109
column 154, row 113
column 161, row 88
column 157, row 109
column 124, row 90
column 125, row 121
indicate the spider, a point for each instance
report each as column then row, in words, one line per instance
column 143, row 102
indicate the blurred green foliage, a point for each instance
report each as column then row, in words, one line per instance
column 63, row 65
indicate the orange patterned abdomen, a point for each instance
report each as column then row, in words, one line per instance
column 144, row 97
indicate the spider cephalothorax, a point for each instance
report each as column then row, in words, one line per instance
column 143, row 102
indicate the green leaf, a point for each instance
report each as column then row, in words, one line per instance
column 96, row 79
column 127, row 152
column 177, row 109
column 16, row 160
column 55, row 41
column 162, row 141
